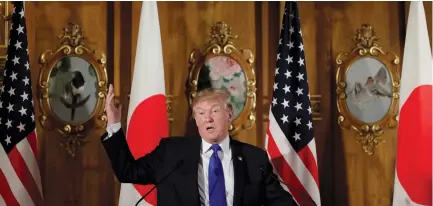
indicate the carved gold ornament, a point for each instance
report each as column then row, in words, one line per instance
column 4, row 11
column 72, row 88
column 6, row 16
column 221, row 65
column 368, row 84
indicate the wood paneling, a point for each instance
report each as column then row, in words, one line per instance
column 186, row 26
column 368, row 180
column 348, row 176
column 87, row 178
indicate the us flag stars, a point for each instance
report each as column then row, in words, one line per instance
column 16, row 104
column 290, row 103
column 290, row 138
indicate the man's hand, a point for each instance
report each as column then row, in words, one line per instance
column 113, row 113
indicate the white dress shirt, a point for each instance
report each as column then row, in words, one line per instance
column 225, row 155
column 111, row 129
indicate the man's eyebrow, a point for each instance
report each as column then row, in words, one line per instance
column 211, row 107
column 197, row 109
column 216, row 105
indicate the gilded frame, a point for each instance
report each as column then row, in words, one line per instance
column 221, row 48
column 5, row 16
column 2, row 69
column 371, row 95
column 73, row 53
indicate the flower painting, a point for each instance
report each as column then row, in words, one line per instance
column 224, row 72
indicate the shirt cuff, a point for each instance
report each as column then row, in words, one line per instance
column 113, row 129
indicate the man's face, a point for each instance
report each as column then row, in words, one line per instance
column 212, row 119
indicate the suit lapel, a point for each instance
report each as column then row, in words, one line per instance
column 188, row 187
column 239, row 169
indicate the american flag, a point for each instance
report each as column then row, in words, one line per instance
column 289, row 138
column 20, row 182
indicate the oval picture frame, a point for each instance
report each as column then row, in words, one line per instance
column 221, row 65
column 72, row 88
column 368, row 84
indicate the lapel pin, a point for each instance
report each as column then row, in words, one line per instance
column 240, row 158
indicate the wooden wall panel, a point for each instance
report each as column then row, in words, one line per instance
column 348, row 176
column 316, row 33
column 87, row 178
column 186, row 26
column 362, row 179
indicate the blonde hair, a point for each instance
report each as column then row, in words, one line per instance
column 213, row 93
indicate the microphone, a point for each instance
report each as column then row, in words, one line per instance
column 178, row 164
column 298, row 191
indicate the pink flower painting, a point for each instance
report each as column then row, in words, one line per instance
column 222, row 66
column 226, row 73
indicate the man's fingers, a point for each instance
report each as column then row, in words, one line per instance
column 106, row 104
column 110, row 89
column 110, row 92
column 109, row 99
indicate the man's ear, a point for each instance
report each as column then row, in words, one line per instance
column 231, row 116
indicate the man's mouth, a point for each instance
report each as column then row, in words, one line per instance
column 210, row 128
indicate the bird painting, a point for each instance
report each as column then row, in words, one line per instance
column 375, row 88
column 74, row 92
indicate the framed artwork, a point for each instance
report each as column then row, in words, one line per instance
column 221, row 65
column 72, row 88
column 368, row 89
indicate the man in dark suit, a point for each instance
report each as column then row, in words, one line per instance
column 210, row 170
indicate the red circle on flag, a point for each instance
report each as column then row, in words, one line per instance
column 414, row 151
column 148, row 124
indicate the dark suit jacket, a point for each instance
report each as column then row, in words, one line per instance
column 251, row 185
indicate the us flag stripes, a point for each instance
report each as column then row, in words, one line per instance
column 289, row 138
column 20, row 182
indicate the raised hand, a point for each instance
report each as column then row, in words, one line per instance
column 114, row 113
